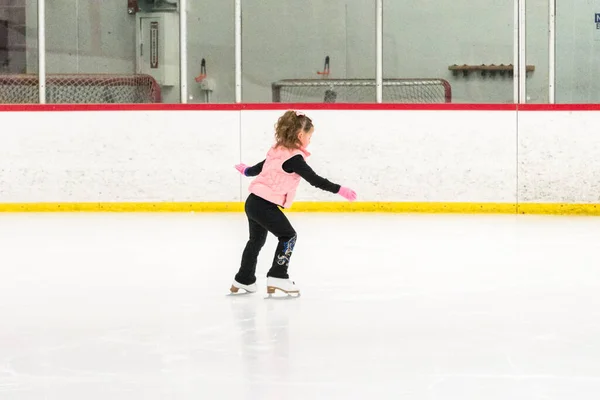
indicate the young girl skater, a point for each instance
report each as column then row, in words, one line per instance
column 277, row 178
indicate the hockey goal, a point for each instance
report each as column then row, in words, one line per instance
column 80, row 88
column 361, row 91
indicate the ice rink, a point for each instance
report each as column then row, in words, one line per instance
column 136, row 306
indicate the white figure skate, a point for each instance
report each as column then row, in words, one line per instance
column 285, row 285
column 236, row 286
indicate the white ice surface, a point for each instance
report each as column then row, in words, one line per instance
column 135, row 306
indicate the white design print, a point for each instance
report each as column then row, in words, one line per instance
column 288, row 247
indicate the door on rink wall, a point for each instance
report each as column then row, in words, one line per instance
column 18, row 52
column 577, row 51
column 308, row 51
column 440, row 51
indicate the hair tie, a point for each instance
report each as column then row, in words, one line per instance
column 299, row 114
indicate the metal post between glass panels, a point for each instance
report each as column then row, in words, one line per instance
column 379, row 51
column 516, row 52
column 42, row 51
column 522, row 54
column 551, row 50
column 238, row 51
column 183, row 50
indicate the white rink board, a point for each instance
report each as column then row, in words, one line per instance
column 559, row 157
column 119, row 156
column 385, row 155
column 413, row 156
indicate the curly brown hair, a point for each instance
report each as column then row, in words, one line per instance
column 288, row 126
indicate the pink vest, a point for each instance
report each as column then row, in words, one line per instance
column 273, row 183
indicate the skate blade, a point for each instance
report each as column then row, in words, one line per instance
column 290, row 293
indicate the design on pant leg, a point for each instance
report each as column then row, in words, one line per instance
column 288, row 247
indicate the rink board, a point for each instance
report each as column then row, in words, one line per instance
column 399, row 158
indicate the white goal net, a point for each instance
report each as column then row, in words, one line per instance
column 361, row 91
column 80, row 88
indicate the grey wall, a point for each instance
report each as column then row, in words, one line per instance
column 289, row 39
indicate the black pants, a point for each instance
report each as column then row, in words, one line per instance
column 263, row 217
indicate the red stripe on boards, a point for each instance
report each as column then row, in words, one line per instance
column 296, row 106
column 253, row 106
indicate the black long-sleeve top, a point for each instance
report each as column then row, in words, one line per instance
column 298, row 165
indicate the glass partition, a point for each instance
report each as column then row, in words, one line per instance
column 111, row 51
column 537, row 90
column 448, row 51
column 308, row 51
column 211, row 51
column 577, row 52
column 102, row 52
column 18, row 51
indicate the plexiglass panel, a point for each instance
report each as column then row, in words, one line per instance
column 463, row 44
column 100, row 52
column 211, row 51
column 308, row 51
column 18, row 52
column 577, row 51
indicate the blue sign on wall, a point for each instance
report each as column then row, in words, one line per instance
column 597, row 18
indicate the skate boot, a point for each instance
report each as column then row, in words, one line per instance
column 236, row 286
column 284, row 285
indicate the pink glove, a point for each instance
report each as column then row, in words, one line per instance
column 347, row 193
column 241, row 168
